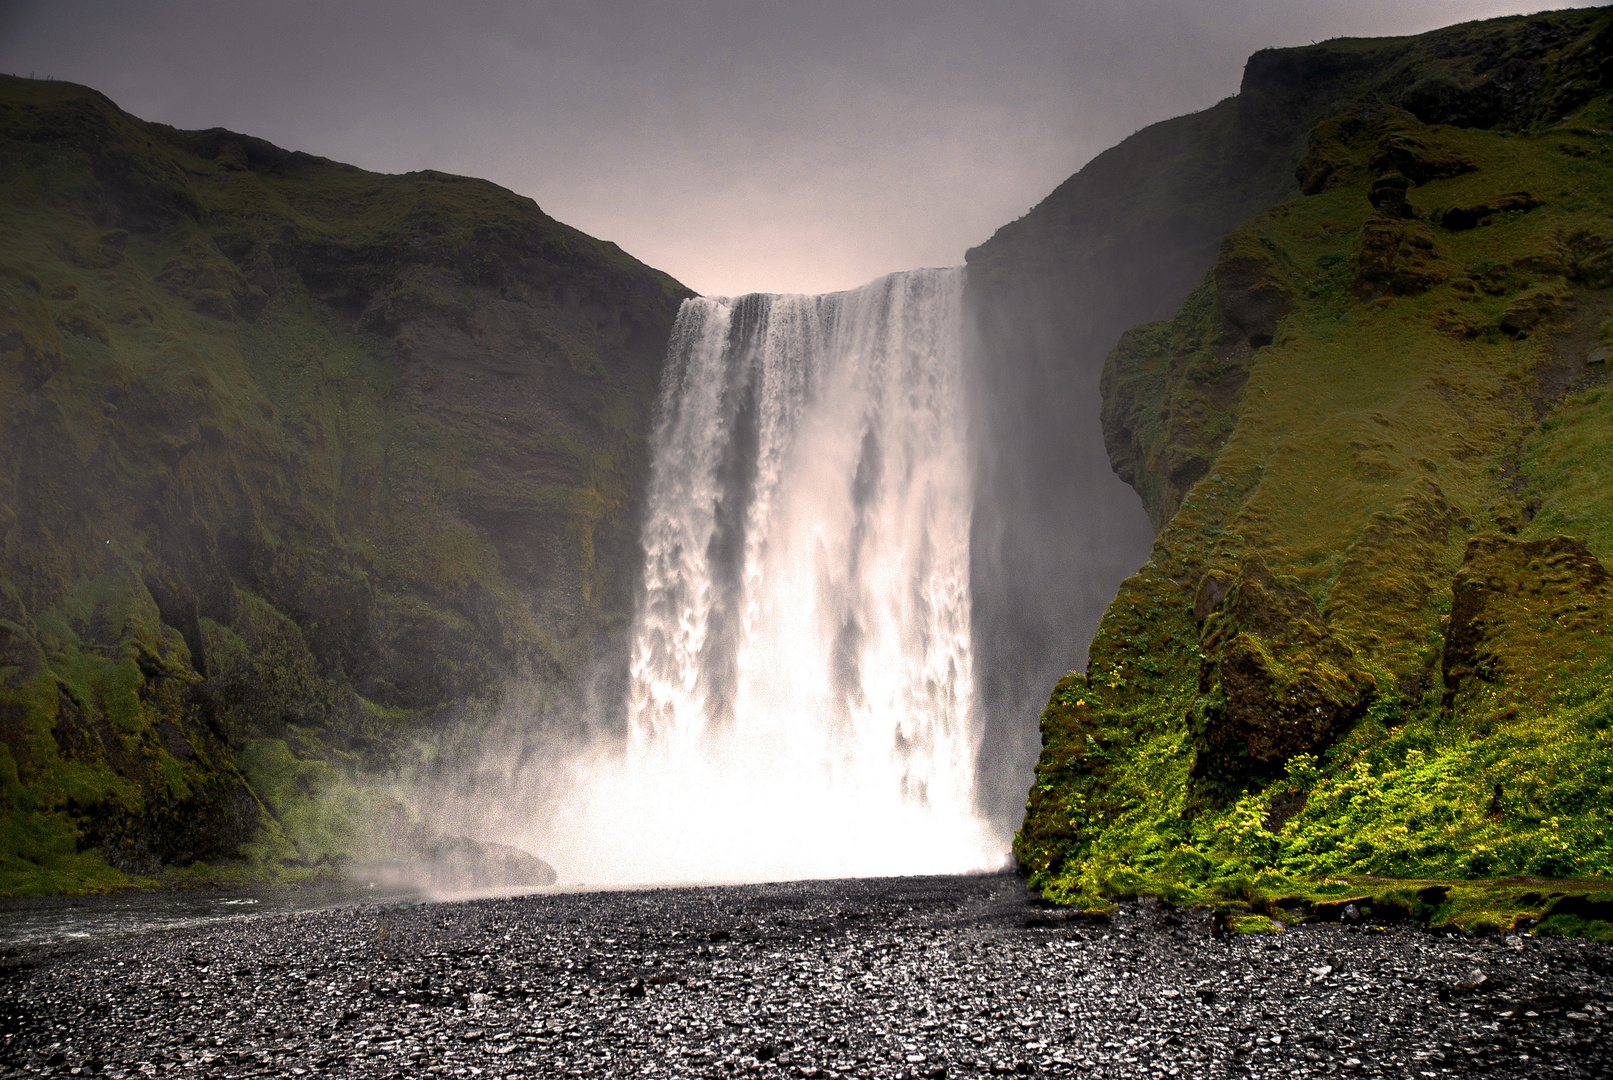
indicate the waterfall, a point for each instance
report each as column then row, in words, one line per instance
column 801, row 664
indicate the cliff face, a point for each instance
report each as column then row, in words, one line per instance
column 1371, row 636
column 1125, row 241
column 297, row 458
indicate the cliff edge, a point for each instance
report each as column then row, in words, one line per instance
column 1371, row 638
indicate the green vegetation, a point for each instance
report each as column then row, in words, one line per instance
column 299, row 460
column 1369, row 658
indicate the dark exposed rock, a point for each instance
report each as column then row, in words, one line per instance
column 1285, row 804
column 1251, row 287
column 1458, row 218
column 1590, row 258
column 1388, row 195
column 1533, row 307
column 1169, row 400
column 1376, row 140
column 1419, row 155
column 453, row 863
column 1212, row 590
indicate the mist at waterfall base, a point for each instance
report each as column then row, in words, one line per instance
column 801, row 667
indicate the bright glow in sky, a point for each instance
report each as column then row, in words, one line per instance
column 739, row 145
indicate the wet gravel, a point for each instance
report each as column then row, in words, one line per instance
column 911, row 977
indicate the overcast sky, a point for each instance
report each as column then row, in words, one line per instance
column 782, row 146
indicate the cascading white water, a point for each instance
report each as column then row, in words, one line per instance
column 801, row 664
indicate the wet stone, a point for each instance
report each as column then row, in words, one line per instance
column 906, row 978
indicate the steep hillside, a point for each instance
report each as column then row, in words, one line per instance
column 1372, row 637
column 1125, row 240
column 297, row 458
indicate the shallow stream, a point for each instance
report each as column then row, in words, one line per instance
column 47, row 920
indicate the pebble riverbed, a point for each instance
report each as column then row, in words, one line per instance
column 909, row 977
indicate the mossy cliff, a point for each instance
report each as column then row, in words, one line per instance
column 1374, row 636
column 1125, row 241
column 297, row 460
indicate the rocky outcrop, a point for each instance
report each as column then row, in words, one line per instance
column 1253, row 287
column 1170, row 397
column 1273, row 682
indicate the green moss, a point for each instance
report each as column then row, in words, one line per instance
column 1254, row 924
column 40, row 858
column 1572, row 926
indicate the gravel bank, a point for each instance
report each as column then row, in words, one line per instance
column 912, row 977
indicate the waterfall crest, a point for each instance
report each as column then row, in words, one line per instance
column 801, row 662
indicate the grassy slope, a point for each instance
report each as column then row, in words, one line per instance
column 298, row 459
column 1413, row 400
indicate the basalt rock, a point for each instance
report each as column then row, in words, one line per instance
column 1130, row 237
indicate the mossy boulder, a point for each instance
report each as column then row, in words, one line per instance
column 1253, row 287
column 1522, row 608
column 1274, row 682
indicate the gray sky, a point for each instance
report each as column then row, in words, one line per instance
column 740, row 146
